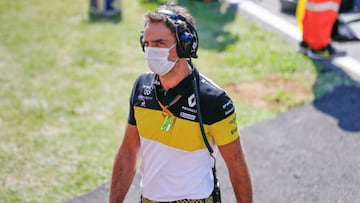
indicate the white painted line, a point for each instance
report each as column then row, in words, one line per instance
column 348, row 64
column 271, row 19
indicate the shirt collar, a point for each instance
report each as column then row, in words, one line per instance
column 182, row 88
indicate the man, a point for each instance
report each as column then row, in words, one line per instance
column 163, row 123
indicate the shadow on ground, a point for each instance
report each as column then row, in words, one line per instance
column 341, row 99
column 344, row 105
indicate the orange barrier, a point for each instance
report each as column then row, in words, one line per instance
column 318, row 20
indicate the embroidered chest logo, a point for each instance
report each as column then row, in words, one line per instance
column 191, row 100
column 191, row 112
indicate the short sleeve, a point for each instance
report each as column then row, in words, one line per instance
column 131, row 115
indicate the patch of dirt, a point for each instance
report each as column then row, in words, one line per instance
column 273, row 92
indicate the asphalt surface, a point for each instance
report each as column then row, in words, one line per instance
column 308, row 154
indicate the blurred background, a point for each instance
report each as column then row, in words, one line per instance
column 67, row 68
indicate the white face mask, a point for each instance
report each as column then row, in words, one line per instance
column 157, row 60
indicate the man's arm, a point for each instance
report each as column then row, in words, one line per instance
column 233, row 156
column 124, row 168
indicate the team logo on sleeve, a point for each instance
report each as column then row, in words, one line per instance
column 147, row 89
column 228, row 107
column 146, row 93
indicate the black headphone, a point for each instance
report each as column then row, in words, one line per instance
column 186, row 41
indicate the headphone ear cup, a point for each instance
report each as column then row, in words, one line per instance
column 184, row 47
column 186, row 37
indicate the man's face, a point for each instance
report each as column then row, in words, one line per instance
column 158, row 35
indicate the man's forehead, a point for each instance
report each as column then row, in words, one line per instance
column 157, row 25
column 156, row 38
column 158, row 32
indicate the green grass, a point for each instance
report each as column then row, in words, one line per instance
column 65, row 83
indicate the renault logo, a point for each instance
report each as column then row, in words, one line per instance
column 192, row 100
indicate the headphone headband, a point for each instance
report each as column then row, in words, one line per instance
column 173, row 16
